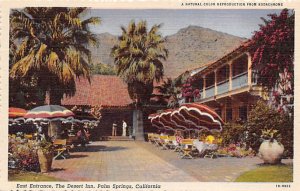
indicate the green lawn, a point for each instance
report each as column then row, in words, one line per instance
column 268, row 173
column 29, row 176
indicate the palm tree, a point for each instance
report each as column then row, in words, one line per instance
column 138, row 58
column 169, row 90
column 52, row 47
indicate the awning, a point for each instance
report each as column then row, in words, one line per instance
column 191, row 116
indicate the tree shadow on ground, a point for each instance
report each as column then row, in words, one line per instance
column 97, row 148
column 277, row 164
column 57, row 169
column 73, row 156
column 117, row 148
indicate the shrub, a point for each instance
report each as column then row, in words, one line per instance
column 233, row 133
column 262, row 119
column 24, row 152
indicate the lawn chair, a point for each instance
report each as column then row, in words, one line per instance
column 156, row 140
column 164, row 142
column 177, row 143
column 172, row 143
column 60, row 148
column 28, row 136
column 150, row 137
column 187, row 148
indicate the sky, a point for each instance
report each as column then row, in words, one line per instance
column 240, row 22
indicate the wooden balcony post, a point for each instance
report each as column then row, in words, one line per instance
column 204, row 86
column 216, row 85
column 230, row 75
column 249, row 69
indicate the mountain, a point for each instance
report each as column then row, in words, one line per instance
column 189, row 48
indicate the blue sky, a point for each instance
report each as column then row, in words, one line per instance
column 240, row 22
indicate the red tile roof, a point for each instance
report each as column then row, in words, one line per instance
column 105, row 91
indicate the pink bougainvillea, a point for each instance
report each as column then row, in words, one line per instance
column 272, row 50
column 189, row 92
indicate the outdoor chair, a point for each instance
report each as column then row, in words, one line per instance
column 150, row 137
column 177, row 145
column 156, row 140
column 28, row 136
column 172, row 143
column 164, row 142
column 187, row 148
column 61, row 148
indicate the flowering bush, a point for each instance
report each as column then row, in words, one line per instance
column 236, row 151
column 188, row 91
column 24, row 152
column 272, row 50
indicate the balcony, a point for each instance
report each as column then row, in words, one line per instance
column 210, row 91
column 240, row 81
column 223, row 87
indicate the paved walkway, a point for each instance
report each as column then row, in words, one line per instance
column 141, row 161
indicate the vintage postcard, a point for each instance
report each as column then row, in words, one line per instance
column 149, row 95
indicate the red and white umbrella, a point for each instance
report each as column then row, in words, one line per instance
column 16, row 114
column 49, row 113
column 192, row 116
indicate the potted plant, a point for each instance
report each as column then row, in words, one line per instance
column 270, row 150
column 45, row 153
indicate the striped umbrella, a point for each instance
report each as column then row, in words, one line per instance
column 84, row 117
column 16, row 114
column 49, row 113
column 192, row 116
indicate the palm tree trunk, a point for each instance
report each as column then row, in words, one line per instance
column 138, row 128
column 55, row 127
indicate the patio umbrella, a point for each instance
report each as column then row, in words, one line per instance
column 164, row 119
column 84, row 117
column 16, row 114
column 201, row 116
column 49, row 113
column 154, row 121
column 193, row 116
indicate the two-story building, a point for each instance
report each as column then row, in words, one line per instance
column 228, row 85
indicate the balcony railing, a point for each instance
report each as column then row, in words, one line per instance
column 223, row 87
column 240, row 80
column 210, row 91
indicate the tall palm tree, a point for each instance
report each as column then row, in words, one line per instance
column 52, row 47
column 138, row 58
column 169, row 91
